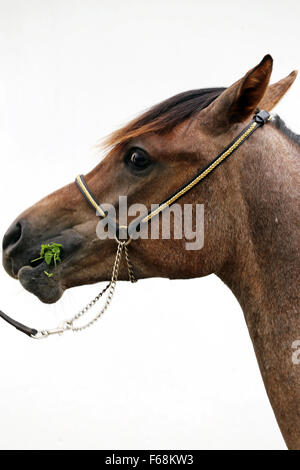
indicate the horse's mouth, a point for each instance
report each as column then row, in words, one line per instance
column 42, row 280
column 35, row 281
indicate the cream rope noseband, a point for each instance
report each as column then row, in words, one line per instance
column 259, row 120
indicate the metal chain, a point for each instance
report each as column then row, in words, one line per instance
column 131, row 275
column 110, row 287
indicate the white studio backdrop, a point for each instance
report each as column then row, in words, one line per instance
column 174, row 370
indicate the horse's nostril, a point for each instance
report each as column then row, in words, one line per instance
column 12, row 236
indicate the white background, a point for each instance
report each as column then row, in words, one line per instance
column 174, row 369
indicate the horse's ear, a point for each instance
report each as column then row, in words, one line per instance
column 276, row 91
column 240, row 101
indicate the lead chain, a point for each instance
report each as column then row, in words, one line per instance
column 131, row 275
column 110, row 287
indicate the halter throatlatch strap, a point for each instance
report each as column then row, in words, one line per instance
column 259, row 120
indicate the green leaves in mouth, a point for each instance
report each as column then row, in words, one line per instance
column 50, row 253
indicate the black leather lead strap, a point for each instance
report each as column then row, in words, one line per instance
column 19, row 326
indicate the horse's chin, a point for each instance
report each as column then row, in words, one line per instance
column 48, row 290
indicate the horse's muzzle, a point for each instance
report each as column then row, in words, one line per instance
column 22, row 244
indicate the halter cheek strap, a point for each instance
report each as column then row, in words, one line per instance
column 259, row 120
column 88, row 195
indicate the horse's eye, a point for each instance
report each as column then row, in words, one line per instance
column 137, row 159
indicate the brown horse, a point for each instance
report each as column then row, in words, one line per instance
column 251, row 218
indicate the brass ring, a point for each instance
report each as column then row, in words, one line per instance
column 123, row 242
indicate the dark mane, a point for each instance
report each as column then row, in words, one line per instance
column 171, row 112
column 281, row 126
column 165, row 115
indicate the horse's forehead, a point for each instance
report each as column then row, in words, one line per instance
column 184, row 136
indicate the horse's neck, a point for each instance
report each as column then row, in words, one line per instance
column 267, row 247
column 264, row 273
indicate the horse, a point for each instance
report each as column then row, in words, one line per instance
column 251, row 220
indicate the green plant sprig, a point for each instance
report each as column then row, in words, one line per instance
column 50, row 252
